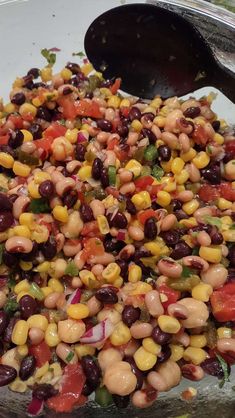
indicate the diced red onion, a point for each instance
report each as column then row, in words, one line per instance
column 99, row 332
column 35, row 407
column 121, row 234
column 75, row 297
column 3, row 280
column 81, row 138
column 54, row 49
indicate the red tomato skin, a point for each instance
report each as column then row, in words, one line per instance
column 171, row 294
column 230, row 147
column 116, row 86
column 143, row 182
column 69, row 108
column 17, row 121
column 41, row 352
column 199, row 135
column 55, row 130
column 223, row 303
column 207, row 193
column 88, row 108
column 227, row 192
column 143, row 216
column 4, row 139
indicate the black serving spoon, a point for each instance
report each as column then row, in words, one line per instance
column 154, row 51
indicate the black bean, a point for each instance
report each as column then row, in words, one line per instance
column 180, row 214
column 91, row 370
column 4, row 321
column 97, row 167
column 8, row 150
column 16, row 139
column 164, row 152
column 46, row 189
column 231, row 256
column 192, row 112
column 130, row 207
column 150, row 228
column 121, row 401
column 164, row 354
column 148, row 116
column 44, row 113
column 181, row 249
column 86, row 212
column 176, row 204
column 137, row 372
column 212, row 174
column 107, row 295
column 28, row 306
column 2, row 350
column 80, row 151
column 87, row 389
column 216, row 125
column 18, row 99
column 147, row 133
column 108, row 82
column 9, row 329
column 44, row 391
column 32, row 255
column 40, row 84
column 104, row 178
column 171, row 237
column 72, row 66
column 35, row 72
column 122, row 130
column 5, row 203
column 216, row 237
column 11, row 260
column 124, row 268
column 113, row 245
column 140, row 253
column 6, row 220
column 134, row 113
column 36, row 130
column 160, row 337
column 213, row 367
column 12, row 198
column 48, row 248
column 7, row 374
column 27, row 367
column 119, row 221
column 130, row 315
column 70, row 198
column 67, row 90
column 105, row 125
column 28, row 82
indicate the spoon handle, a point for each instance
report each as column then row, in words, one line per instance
column 224, row 80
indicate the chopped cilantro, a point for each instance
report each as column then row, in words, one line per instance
column 62, row 121
column 78, row 54
column 232, row 226
column 11, row 281
column 49, row 55
column 1, row 252
column 150, row 153
column 69, row 356
column 71, row 269
column 195, row 251
column 157, row 172
column 209, row 149
column 187, row 272
column 39, row 206
column 225, row 368
column 213, row 220
column 11, row 306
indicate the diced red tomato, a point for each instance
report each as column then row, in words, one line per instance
column 44, row 143
column 208, row 193
column 69, row 108
column 142, row 182
column 4, row 139
column 90, row 229
column 171, row 294
column 227, row 192
column 199, row 135
column 114, row 142
column 54, row 130
column 223, row 303
column 16, row 120
column 116, row 86
column 230, row 148
column 41, row 352
column 146, row 214
column 125, row 111
column 113, row 191
column 92, row 246
column 88, row 108
column 153, row 190
column 71, row 388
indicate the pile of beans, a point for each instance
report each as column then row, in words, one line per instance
column 117, row 235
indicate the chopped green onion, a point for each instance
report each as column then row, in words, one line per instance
column 157, row 172
column 71, row 269
column 150, row 153
column 39, row 206
column 69, row 356
column 187, row 272
column 145, row 171
column 213, row 220
column 112, row 175
column 26, row 158
column 50, row 56
column 11, row 306
column 225, row 368
column 103, row 397
column 36, row 291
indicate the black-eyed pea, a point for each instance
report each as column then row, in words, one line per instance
column 94, row 306
column 198, row 313
column 11, row 358
column 226, row 345
column 104, row 259
column 194, row 261
column 109, row 357
column 153, row 303
column 97, row 208
column 168, row 222
column 167, row 376
column 136, row 233
column 177, row 311
column 141, row 330
column 60, row 239
column 19, row 244
column 140, row 399
column 59, row 267
column 215, row 276
column 79, row 261
column 119, row 379
column 181, row 338
column 51, row 300
column 70, row 330
column 73, row 227
column 64, row 185
column 170, row 268
column 203, row 238
column 76, row 282
column 71, row 247
column 36, row 335
column 131, row 347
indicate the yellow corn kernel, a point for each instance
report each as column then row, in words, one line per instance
column 27, row 109
column 163, row 198
column 213, row 255
column 20, row 169
column 72, row 135
column 170, row 184
column 177, row 165
column 189, row 155
column 169, row 324
column 125, row 103
column 136, row 125
column 41, row 371
column 78, row 311
column 33, row 190
column 219, row 139
column 150, row 346
column 40, row 233
column 21, row 294
column 191, row 206
column 66, row 74
column 182, row 177
column 26, row 265
column 154, row 247
column 55, row 285
column 111, row 272
column 87, row 68
column 141, row 200
column 141, row 288
column 26, row 219
column 88, row 278
column 85, row 172
column 56, row 369
column 226, row 220
column 22, row 231
column 134, row 273
column 41, row 176
column 18, row 386
column 177, row 352
column 201, row 160
column 27, row 135
column 84, row 350
column 103, row 224
column 38, row 321
column 20, row 332
column 144, row 359
column 60, row 213
column 156, row 102
column 9, row 108
column 134, row 166
column 150, row 109
column 202, row 291
column 22, row 286
column 121, row 334
column 46, row 74
column 195, row 355
column 166, row 165
column 46, row 290
column 190, row 222
column 43, row 267
column 114, row 101
column 51, row 335
column 118, row 282
column 224, row 204
column 22, row 350
column 229, row 235
column 198, row 341
column 6, row 160
column 105, row 92
column 224, row 332
column 37, row 102
column 159, row 121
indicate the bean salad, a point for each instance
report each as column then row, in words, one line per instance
column 117, row 232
